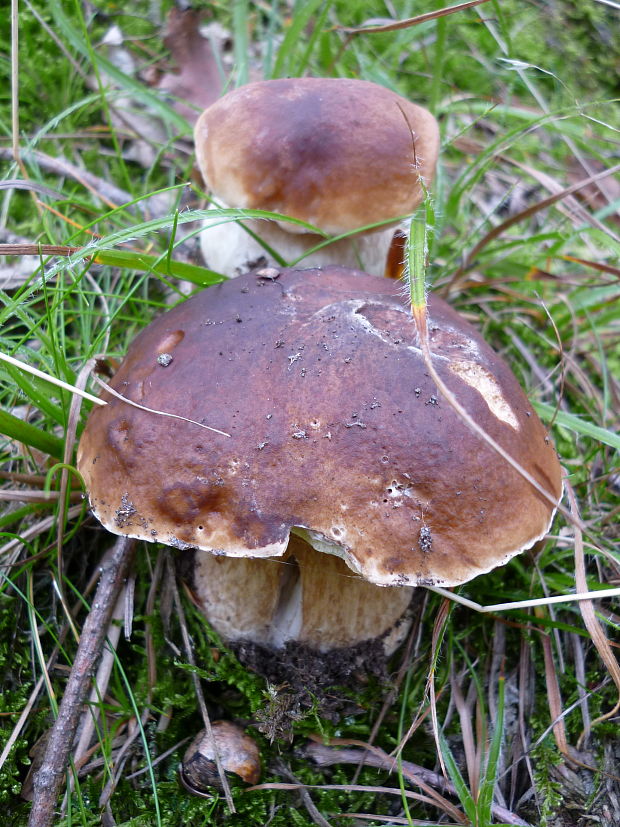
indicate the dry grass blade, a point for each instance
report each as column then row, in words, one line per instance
column 450, row 398
column 23, row 718
column 562, row 363
column 527, row 213
column 362, row 788
column 118, row 395
column 376, row 757
column 439, row 627
column 577, row 212
column 595, row 265
column 309, row 804
column 52, row 379
column 13, row 548
column 472, row 758
column 325, row 756
column 20, row 184
column 70, row 437
column 109, row 194
column 554, row 698
column 388, row 819
column 589, row 618
column 96, row 400
column 412, row 21
column 189, row 654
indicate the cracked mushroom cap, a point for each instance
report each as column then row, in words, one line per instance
column 336, row 153
column 336, row 432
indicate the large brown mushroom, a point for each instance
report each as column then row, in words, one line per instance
column 343, row 460
column 336, row 153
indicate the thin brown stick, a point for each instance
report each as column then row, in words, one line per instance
column 111, row 195
column 309, row 804
column 412, row 21
column 101, row 682
column 21, row 495
column 48, row 780
column 37, row 249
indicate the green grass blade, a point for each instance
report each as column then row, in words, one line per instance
column 15, row 428
column 162, row 265
column 35, row 392
column 462, row 790
column 489, row 775
column 284, row 59
column 240, row 41
column 416, row 260
column 138, row 90
column 579, row 426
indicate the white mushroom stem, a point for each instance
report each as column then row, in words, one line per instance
column 230, row 249
column 304, row 596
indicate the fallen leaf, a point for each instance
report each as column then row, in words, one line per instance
column 198, row 82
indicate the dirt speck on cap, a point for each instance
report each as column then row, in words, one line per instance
column 125, row 513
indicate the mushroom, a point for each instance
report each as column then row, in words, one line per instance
column 238, row 754
column 336, row 153
column 343, row 462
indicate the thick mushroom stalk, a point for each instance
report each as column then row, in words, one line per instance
column 338, row 154
column 302, row 597
column 338, row 436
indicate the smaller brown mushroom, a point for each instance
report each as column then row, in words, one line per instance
column 238, row 754
column 338, row 154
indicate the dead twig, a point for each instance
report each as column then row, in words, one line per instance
column 111, row 195
column 412, row 21
column 48, row 779
column 309, row 804
column 325, row 756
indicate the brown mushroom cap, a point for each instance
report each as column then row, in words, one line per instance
column 238, row 754
column 336, row 431
column 336, row 153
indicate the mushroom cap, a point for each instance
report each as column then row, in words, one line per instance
column 238, row 754
column 336, row 153
column 336, row 432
